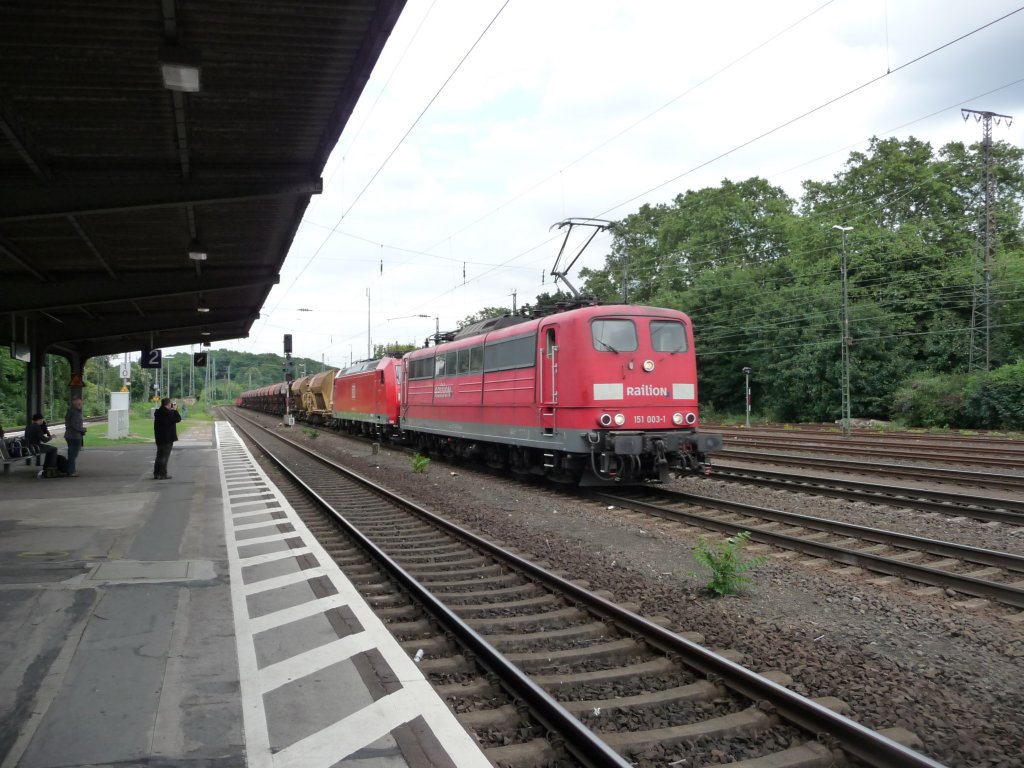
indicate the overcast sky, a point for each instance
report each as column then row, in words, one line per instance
column 591, row 108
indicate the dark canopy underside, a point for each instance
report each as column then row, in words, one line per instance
column 109, row 179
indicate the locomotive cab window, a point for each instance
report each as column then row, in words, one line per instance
column 668, row 336
column 614, row 335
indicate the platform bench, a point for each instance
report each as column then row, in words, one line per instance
column 7, row 460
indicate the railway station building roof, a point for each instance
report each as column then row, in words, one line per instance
column 157, row 157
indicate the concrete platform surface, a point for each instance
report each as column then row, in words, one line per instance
column 193, row 622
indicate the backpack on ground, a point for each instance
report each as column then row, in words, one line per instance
column 50, row 472
column 62, row 466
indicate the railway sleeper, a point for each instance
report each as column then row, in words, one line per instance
column 520, row 642
column 505, row 717
column 656, row 666
column 524, row 755
column 455, row 664
column 702, row 690
column 504, row 579
column 433, row 647
column 419, row 547
column 743, row 723
column 538, row 602
column 455, row 598
column 615, row 650
column 468, row 573
column 495, row 624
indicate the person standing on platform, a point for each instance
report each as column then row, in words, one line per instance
column 165, row 432
column 74, row 433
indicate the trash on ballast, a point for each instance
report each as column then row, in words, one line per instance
column 419, row 656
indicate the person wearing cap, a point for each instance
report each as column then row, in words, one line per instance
column 74, row 433
column 165, row 432
column 37, row 435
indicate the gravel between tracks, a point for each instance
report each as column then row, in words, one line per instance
column 953, row 676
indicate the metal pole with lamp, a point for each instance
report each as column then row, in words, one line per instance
column 845, row 383
column 746, row 373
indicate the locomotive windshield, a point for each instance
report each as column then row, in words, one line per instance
column 668, row 336
column 614, row 335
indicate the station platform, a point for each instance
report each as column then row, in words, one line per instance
column 194, row 622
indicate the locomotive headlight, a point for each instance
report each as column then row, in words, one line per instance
column 677, row 419
column 648, row 365
column 605, row 420
column 620, row 419
column 691, row 418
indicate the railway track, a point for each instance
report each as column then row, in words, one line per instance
column 818, row 431
column 539, row 666
column 972, row 456
column 996, row 576
column 989, row 509
column 972, row 478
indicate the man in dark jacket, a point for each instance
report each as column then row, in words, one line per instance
column 74, row 433
column 37, row 435
column 165, row 432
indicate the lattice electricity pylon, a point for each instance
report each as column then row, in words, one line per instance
column 983, row 299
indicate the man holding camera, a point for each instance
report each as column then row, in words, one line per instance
column 165, row 432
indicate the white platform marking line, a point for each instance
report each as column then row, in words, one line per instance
column 254, row 715
column 265, row 524
column 285, row 580
column 254, row 506
column 237, row 498
column 335, row 742
column 255, row 512
column 273, row 557
column 269, row 539
column 313, row 660
column 295, row 613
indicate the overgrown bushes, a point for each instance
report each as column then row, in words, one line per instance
column 985, row 400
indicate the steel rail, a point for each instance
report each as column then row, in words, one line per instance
column 1003, row 593
column 868, row 745
column 979, row 507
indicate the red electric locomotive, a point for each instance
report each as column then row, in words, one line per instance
column 593, row 395
column 367, row 397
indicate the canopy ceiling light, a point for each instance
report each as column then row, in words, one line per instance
column 202, row 306
column 196, row 252
column 180, row 68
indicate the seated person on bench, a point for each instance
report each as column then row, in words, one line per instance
column 37, row 435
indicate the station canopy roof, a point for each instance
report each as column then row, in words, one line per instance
column 157, row 157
